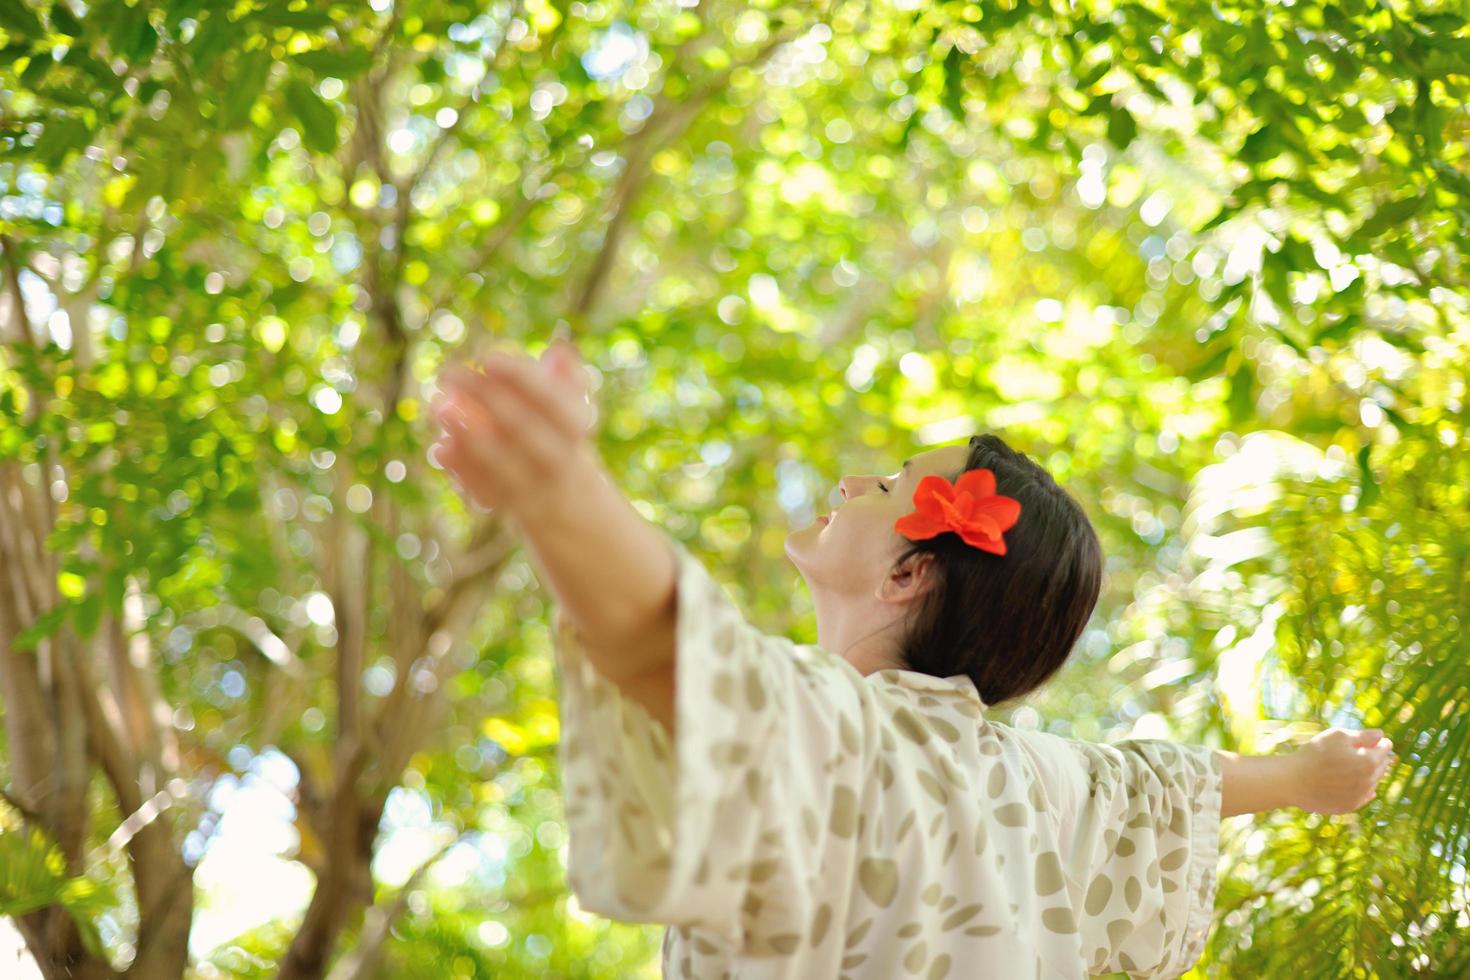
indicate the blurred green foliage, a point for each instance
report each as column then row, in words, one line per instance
column 1203, row 261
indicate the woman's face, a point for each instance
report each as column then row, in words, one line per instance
column 851, row 554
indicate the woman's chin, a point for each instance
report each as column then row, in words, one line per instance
column 802, row 540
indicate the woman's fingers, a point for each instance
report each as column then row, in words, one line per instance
column 529, row 380
column 529, row 386
column 540, row 448
column 462, row 402
column 566, row 367
column 504, row 436
column 567, row 373
column 513, row 426
column 453, row 454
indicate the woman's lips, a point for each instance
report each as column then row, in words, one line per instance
column 824, row 519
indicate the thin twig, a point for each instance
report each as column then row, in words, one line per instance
column 362, row 961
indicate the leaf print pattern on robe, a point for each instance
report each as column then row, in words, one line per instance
column 811, row 822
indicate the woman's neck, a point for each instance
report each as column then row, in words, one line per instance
column 860, row 632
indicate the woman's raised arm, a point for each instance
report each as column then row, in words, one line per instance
column 1255, row 783
column 516, row 439
column 1336, row 772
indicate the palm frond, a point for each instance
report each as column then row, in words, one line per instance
column 1374, row 631
column 33, row 876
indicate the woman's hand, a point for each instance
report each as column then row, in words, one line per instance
column 517, row 438
column 517, row 432
column 1338, row 771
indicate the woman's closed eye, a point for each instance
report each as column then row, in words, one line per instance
column 882, row 487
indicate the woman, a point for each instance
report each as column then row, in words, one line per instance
column 845, row 808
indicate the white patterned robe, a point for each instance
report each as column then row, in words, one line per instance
column 808, row 822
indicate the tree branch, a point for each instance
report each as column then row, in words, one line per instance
column 491, row 63
column 407, row 712
column 223, row 615
column 26, row 813
column 30, row 740
column 362, row 962
column 21, row 318
column 668, row 121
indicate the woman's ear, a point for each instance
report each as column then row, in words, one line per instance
column 909, row 579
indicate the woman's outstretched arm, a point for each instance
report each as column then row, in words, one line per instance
column 1336, row 772
column 516, row 439
column 610, row 569
column 1255, row 783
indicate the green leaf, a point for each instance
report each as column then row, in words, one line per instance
column 1308, row 188
column 1350, row 295
column 1122, row 127
column 1447, row 22
column 1340, row 330
column 1388, row 216
column 302, row 20
column 1226, row 212
column 59, row 139
column 33, row 876
column 954, row 84
column 1098, row 105
column 31, row 872
column 431, row 70
column 114, row 588
column 1251, row 190
column 1260, row 146
column 1396, row 417
column 132, row 36
column 1399, row 339
column 81, row 59
column 318, row 121
column 211, row 40
column 1428, row 118
column 1273, row 281
column 1094, row 74
column 1242, row 394
column 251, row 70
column 1368, row 490
column 45, row 625
column 337, row 64
column 908, row 129
column 1212, row 364
column 1288, row 339
column 88, row 615
column 17, row 18
column 64, row 20
column 1151, row 87
column 36, row 71
column 1297, row 254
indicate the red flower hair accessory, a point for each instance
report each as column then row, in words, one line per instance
column 970, row 507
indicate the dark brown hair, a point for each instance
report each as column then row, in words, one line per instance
column 1008, row 621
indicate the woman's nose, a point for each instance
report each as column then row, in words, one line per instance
column 848, row 485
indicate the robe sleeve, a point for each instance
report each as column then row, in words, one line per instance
column 1140, row 830
column 705, row 828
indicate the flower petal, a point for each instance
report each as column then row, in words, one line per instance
column 930, row 491
column 969, row 507
column 979, row 483
column 983, row 524
column 1003, row 510
column 994, row 545
column 953, row 515
column 919, row 527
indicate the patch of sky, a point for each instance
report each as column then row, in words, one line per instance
column 614, row 51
